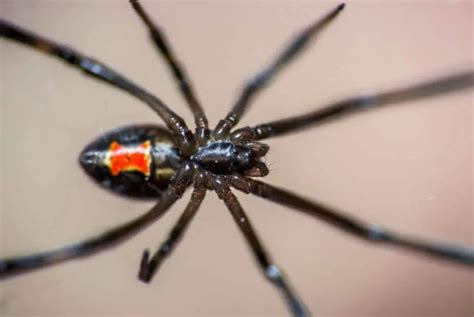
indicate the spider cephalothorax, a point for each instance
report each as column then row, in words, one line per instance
column 154, row 162
column 226, row 158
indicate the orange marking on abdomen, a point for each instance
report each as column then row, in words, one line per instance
column 122, row 158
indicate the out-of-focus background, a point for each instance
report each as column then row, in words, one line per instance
column 408, row 167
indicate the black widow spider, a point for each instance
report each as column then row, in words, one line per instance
column 220, row 162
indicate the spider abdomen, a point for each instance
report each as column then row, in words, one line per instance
column 136, row 161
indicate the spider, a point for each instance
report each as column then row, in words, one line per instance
column 215, row 160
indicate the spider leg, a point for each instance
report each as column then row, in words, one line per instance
column 108, row 239
column 184, row 84
column 149, row 267
column 94, row 68
column 271, row 271
column 435, row 87
column 369, row 232
column 259, row 81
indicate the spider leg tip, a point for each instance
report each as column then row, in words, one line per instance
column 144, row 277
column 3, row 266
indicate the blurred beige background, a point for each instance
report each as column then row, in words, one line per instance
column 408, row 168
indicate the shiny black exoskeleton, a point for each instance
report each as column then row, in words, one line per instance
column 217, row 157
column 164, row 160
column 225, row 158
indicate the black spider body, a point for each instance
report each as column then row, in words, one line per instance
column 160, row 158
